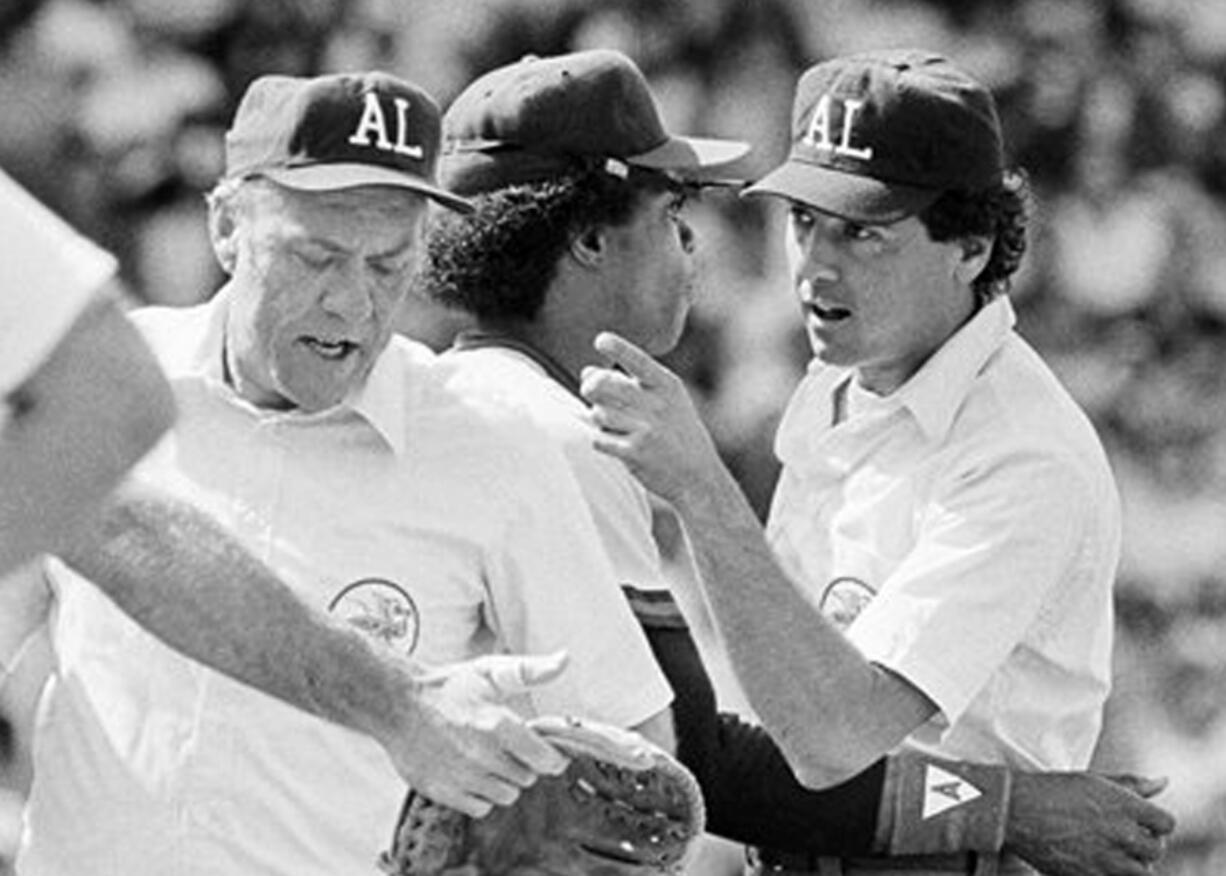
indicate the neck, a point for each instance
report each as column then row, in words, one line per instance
column 888, row 379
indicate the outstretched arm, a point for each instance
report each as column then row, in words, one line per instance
column 179, row 574
column 648, row 421
column 1065, row 824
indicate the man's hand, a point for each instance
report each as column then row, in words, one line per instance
column 623, row 807
column 466, row 750
column 1082, row 824
column 648, row 420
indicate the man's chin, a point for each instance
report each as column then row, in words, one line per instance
column 662, row 344
column 314, row 399
column 325, row 386
column 822, row 352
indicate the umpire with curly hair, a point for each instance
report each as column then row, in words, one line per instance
column 578, row 228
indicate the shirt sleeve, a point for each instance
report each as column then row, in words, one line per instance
column 50, row 274
column 553, row 587
column 621, row 512
column 993, row 543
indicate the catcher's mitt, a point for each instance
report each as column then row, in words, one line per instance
column 621, row 807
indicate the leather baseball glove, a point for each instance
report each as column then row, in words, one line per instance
column 622, row 807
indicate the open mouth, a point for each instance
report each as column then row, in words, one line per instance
column 832, row 313
column 332, row 350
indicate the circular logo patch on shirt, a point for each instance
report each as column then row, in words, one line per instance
column 844, row 599
column 382, row 609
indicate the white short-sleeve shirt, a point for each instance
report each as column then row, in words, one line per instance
column 967, row 529
column 50, row 272
column 436, row 522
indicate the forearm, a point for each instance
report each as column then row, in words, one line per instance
column 1062, row 823
column 180, row 575
column 759, row 801
column 832, row 712
column 753, row 797
column 751, row 794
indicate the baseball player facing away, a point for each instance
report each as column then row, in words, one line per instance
column 578, row 192
column 84, row 401
column 937, row 481
column 442, row 526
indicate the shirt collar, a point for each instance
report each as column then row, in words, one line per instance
column 934, row 394
column 380, row 401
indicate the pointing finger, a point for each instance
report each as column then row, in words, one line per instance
column 633, row 359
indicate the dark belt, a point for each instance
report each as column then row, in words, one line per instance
column 773, row 861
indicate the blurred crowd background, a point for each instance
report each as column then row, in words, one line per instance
column 112, row 111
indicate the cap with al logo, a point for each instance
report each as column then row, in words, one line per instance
column 339, row 131
column 879, row 136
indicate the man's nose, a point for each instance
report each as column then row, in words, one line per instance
column 349, row 294
column 817, row 263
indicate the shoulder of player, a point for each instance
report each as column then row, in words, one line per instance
column 480, row 425
column 558, row 417
column 510, row 380
column 1017, row 410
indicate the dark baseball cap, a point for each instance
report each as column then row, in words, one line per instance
column 879, row 136
column 339, row 131
column 541, row 117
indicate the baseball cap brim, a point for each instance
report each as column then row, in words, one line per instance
column 849, row 195
column 691, row 153
column 337, row 175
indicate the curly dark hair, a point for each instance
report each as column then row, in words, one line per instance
column 1001, row 212
column 498, row 261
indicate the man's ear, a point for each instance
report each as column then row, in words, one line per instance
column 589, row 245
column 976, row 251
column 223, row 232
